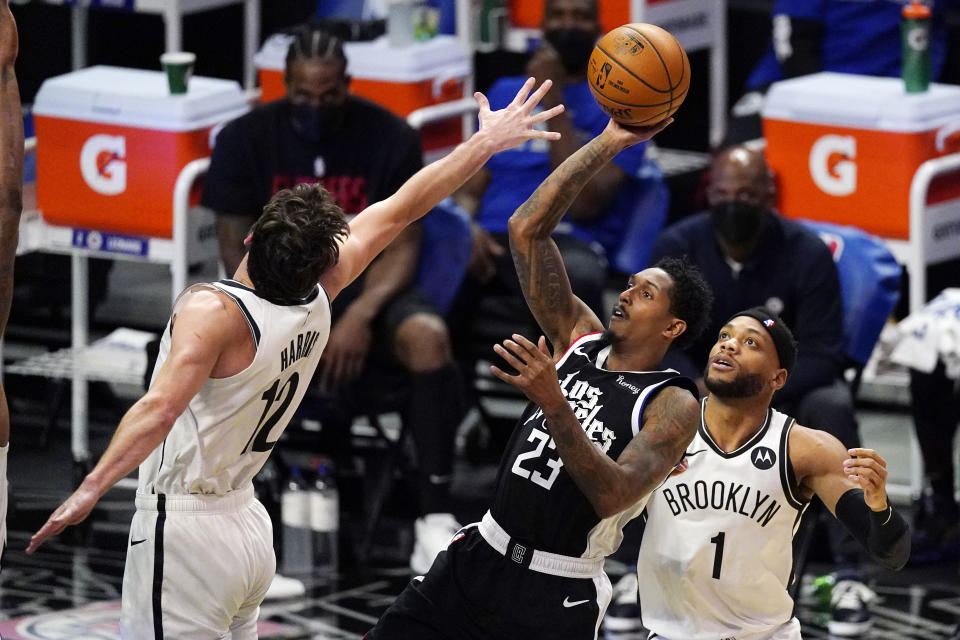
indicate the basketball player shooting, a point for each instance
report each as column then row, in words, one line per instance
column 234, row 363
column 717, row 548
column 11, row 205
column 603, row 429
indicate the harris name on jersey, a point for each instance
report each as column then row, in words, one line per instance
column 299, row 348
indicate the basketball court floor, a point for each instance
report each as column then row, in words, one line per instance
column 70, row 589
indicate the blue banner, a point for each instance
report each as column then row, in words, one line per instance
column 110, row 242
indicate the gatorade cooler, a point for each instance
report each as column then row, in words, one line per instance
column 111, row 143
column 845, row 147
column 402, row 79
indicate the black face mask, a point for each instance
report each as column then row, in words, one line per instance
column 736, row 222
column 574, row 47
column 313, row 122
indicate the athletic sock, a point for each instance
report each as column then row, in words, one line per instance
column 435, row 410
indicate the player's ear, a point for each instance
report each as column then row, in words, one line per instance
column 675, row 329
column 779, row 379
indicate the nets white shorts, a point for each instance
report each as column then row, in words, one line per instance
column 197, row 567
column 789, row 630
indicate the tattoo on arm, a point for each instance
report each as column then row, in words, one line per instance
column 670, row 422
column 540, row 268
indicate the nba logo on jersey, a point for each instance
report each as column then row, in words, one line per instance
column 763, row 457
column 518, row 551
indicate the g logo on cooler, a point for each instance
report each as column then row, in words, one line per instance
column 836, row 177
column 103, row 164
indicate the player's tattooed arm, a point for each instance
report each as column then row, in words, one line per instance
column 543, row 278
column 670, row 421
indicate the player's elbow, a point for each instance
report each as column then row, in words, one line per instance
column 160, row 412
column 522, row 227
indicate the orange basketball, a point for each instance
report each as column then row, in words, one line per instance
column 639, row 74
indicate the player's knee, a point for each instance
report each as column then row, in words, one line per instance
column 422, row 342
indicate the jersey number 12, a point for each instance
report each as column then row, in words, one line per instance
column 270, row 396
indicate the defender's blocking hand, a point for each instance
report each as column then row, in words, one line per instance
column 508, row 127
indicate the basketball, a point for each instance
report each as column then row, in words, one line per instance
column 639, row 74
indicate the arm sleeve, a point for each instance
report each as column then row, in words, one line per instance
column 885, row 535
column 818, row 326
column 230, row 184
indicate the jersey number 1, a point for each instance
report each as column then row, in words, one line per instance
column 718, row 556
column 270, row 396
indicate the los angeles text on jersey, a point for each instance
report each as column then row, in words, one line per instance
column 299, row 348
column 721, row 496
column 584, row 400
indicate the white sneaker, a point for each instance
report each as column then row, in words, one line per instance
column 281, row 587
column 623, row 614
column 850, row 603
column 432, row 533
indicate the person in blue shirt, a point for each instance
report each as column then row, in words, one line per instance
column 593, row 233
column 846, row 36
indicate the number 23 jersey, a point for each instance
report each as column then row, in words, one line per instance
column 716, row 558
column 536, row 501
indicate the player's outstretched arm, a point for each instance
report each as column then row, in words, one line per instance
column 611, row 486
column 543, row 278
column 852, row 483
column 378, row 224
column 202, row 331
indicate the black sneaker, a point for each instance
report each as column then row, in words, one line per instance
column 850, row 604
column 623, row 614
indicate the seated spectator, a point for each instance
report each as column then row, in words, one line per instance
column 847, row 36
column 752, row 256
column 361, row 153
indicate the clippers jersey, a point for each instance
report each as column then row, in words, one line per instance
column 229, row 428
column 716, row 558
column 537, row 501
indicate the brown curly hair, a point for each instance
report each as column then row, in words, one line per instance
column 294, row 241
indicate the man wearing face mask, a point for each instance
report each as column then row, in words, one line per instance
column 750, row 256
column 385, row 331
column 601, row 213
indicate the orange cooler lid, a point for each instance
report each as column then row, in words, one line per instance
column 138, row 98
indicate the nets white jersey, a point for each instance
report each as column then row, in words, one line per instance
column 716, row 556
column 229, row 428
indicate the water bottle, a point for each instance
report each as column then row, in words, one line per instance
column 915, row 44
column 295, row 510
column 324, row 520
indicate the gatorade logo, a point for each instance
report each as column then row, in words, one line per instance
column 918, row 40
column 103, row 163
column 832, row 165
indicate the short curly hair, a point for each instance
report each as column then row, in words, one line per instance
column 690, row 298
column 294, row 241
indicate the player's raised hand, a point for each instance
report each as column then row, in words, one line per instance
column 8, row 36
column 74, row 510
column 626, row 136
column 508, row 127
column 537, row 374
column 869, row 470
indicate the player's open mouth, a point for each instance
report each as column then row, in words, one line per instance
column 722, row 363
column 618, row 313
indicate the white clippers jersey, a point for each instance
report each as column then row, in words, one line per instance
column 716, row 555
column 229, row 428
